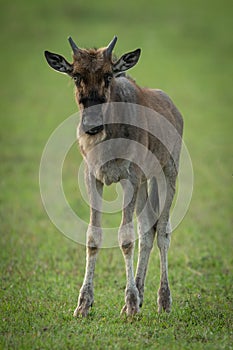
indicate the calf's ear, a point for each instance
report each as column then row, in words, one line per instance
column 127, row 61
column 58, row 62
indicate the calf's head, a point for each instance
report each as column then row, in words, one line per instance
column 93, row 72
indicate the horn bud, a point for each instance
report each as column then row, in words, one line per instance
column 73, row 45
column 110, row 47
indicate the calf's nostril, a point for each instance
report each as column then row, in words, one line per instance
column 94, row 130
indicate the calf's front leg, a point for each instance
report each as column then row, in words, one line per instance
column 93, row 243
column 146, row 231
column 126, row 237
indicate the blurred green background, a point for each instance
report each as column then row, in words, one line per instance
column 187, row 50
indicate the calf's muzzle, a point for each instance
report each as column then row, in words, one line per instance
column 92, row 121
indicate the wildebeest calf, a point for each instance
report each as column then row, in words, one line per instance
column 130, row 135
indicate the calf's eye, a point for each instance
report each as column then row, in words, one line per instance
column 77, row 78
column 107, row 78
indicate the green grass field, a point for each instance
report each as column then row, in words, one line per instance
column 187, row 50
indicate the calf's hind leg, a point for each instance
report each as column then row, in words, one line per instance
column 163, row 239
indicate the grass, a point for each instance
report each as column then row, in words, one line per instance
column 187, row 51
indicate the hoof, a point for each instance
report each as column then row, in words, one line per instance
column 129, row 311
column 85, row 301
column 132, row 303
column 164, row 299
